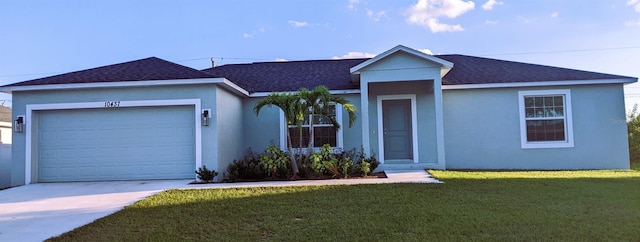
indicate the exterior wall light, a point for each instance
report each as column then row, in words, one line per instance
column 18, row 124
column 206, row 117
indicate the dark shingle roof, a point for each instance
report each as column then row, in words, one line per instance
column 293, row 75
column 290, row 75
column 478, row 70
column 148, row 69
column 335, row 74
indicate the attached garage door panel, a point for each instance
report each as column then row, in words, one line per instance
column 116, row 144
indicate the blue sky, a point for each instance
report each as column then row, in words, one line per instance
column 43, row 38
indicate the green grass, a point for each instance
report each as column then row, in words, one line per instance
column 574, row 206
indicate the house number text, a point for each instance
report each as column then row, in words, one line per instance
column 112, row 104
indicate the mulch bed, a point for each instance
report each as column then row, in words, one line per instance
column 374, row 175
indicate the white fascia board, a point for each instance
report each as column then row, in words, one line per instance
column 334, row 92
column 222, row 81
column 445, row 64
column 537, row 84
column 234, row 88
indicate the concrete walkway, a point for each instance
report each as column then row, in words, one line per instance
column 39, row 211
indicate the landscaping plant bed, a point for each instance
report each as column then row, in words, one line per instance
column 373, row 175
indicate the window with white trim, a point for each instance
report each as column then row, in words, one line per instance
column 323, row 131
column 545, row 119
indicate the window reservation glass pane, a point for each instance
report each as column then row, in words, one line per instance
column 545, row 130
column 322, row 135
column 545, row 118
column 295, row 136
column 325, row 135
column 544, row 106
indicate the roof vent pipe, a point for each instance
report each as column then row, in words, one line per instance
column 213, row 63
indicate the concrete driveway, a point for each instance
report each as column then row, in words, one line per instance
column 39, row 211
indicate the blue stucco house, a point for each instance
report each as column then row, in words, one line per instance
column 153, row 119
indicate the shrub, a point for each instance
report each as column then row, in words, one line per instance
column 275, row 161
column 205, row 174
column 364, row 168
column 246, row 168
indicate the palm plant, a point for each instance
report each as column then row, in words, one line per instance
column 318, row 102
column 292, row 108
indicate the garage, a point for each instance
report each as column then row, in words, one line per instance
column 124, row 143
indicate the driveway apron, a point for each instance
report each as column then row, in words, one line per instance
column 39, row 211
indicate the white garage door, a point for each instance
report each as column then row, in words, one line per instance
column 116, row 144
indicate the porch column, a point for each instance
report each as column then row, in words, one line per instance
column 437, row 95
column 364, row 112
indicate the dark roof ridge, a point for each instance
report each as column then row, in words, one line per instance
column 146, row 69
column 443, row 56
column 287, row 62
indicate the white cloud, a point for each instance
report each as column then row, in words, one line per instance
column 525, row 20
column 426, row 51
column 354, row 55
column 427, row 12
column 555, row 15
column 491, row 22
column 632, row 23
column 353, row 4
column 298, row 23
column 254, row 32
column 375, row 16
column 281, row 60
column 635, row 4
column 490, row 4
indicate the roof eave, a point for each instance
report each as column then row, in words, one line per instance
column 536, row 84
column 48, row 87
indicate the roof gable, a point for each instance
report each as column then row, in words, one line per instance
column 401, row 49
column 147, row 69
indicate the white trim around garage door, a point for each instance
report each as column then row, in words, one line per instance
column 109, row 104
column 414, row 124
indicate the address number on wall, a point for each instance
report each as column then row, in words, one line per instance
column 112, row 104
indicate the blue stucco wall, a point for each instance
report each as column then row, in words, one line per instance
column 205, row 92
column 482, row 130
column 260, row 130
column 228, row 119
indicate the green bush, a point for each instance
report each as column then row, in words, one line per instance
column 205, row 174
column 247, row 168
column 275, row 162
column 364, row 168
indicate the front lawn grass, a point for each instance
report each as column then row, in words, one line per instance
column 558, row 205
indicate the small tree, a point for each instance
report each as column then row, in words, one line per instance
column 318, row 102
column 293, row 113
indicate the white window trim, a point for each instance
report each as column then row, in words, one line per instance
column 414, row 124
column 284, row 127
column 568, row 143
column 31, row 108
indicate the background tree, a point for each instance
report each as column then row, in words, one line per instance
column 293, row 112
column 633, row 129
